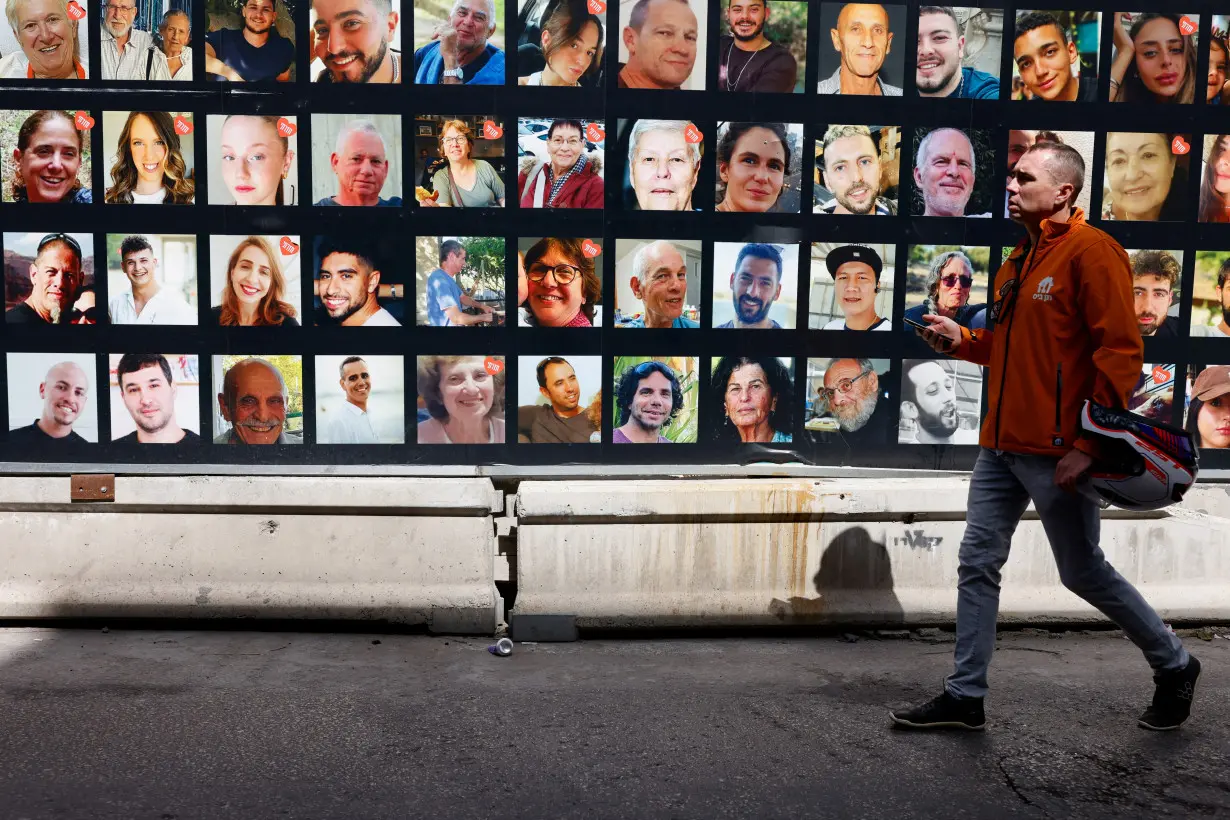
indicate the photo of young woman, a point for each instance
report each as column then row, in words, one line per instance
column 758, row 167
column 1146, row 177
column 1208, row 409
column 255, row 280
column 152, row 163
column 252, row 160
column 44, row 157
column 1215, row 179
column 569, row 42
column 1152, row 59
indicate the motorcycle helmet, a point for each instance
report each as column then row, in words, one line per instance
column 1142, row 464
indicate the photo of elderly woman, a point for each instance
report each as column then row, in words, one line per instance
column 468, row 170
column 656, row 399
column 1153, row 58
column 43, row 42
column 751, row 400
column 1217, row 90
column 561, row 163
column 758, row 167
column 461, row 399
column 561, row 44
column 663, row 164
column 1208, row 408
column 563, row 283
column 1146, row 177
column 254, row 280
column 252, row 159
column 947, row 280
column 44, row 158
column 1215, row 179
column 152, row 163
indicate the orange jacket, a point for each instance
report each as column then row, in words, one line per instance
column 1067, row 334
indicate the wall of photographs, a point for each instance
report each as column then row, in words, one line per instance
column 207, row 242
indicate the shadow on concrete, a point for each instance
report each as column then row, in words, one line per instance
column 854, row 584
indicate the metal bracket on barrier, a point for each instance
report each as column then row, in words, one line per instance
column 93, row 487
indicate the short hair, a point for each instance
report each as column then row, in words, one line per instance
column 640, row 259
column 542, row 368
column 925, row 144
column 781, row 388
column 358, row 248
column 429, row 368
column 841, row 132
column 565, row 124
column 1026, row 23
column 449, row 247
column 643, row 127
column 181, row 13
column 760, row 250
column 1064, row 163
column 909, row 390
column 341, row 368
column 1157, row 263
column 356, row 127
column 630, row 379
column 864, row 365
column 229, row 378
column 1223, row 273
column 948, row 10
column 636, row 19
column 937, row 267
column 461, row 128
column 133, row 244
column 132, row 362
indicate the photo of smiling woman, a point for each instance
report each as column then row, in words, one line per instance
column 463, row 181
column 1152, row 60
column 569, row 44
column 45, row 44
column 663, row 164
column 1215, row 180
column 754, row 398
column 253, row 159
column 44, row 158
column 255, row 280
column 1146, row 177
column 1217, row 90
column 152, row 164
column 563, row 285
column 463, row 399
column 1208, row 409
column 758, row 168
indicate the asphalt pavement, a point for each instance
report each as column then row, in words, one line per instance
column 171, row 725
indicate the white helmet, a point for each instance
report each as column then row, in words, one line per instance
column 1144, row 465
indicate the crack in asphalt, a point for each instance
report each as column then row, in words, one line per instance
column 999, row 764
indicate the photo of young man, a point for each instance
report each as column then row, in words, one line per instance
column 560, row 398
column 1054, row 53
column 857, row 170
column 752, row 57
column 146, row 385
column 356, row 41
column 143, row 290
column 940, row 402
column 348, row 277
column 655, row 400
column 360, row 399
column 851, row 286
column 49, row 400
column 945, row 65
column 257, row 45
column 1155, row 288
column 861, row 60
column 1211, row 295
column 760, row 290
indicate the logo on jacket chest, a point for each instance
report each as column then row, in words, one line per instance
column 1043, row 292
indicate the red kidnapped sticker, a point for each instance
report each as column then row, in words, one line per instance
column 286, row 128
column 183, row 125
column 692, row 134
column 493, row 365
column 75, row 10
column 83, row 121
column 492, row 131
column 590, row 249
column 288, row 246
column 594, row 132
column 1160, row 374
column 1178, row 145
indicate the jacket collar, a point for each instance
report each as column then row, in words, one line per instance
column 1052, row 233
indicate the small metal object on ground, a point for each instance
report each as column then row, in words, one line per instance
column 503, row 647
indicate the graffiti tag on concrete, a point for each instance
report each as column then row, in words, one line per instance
column 918, row 540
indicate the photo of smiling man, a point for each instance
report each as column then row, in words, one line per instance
column 560, row 400
column 954, row 55
column 44, row 275
column 851, row 286
column 155, row 399
column 1055, row 55
column 662, row 44
column 765, row 48
column 152, row 279
column 260, row 400
column 50, row 402
column 861, row 60
column 946, row 163
column 655, row 399
column 252, row 41
column 857, row 170
column 652, row 281
column 356, row 160
column 360, row 399
column 755, row 285
column 356, row 41
column 348, row 284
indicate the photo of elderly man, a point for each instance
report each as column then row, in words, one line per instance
column 49, row 400
column 45, row 44
column 946, row 163
column 356, row 159
column 128, row 50
column 252, row 41
column 356, row 41
column 847, row 400
column 45, row 275
column 561, row 400
column 958, row 52
column 857, row 170
column 949, row 281
column 861, row 60
column 465, row 48
column 663, row 164
column 149, row 387
column 656, row 400
column 441, row 265
column 662, row 44
column 653, row 279
column 260, row 400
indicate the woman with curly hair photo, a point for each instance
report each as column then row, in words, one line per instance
column 149, row 166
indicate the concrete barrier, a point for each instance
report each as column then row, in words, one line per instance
column 413, row 551
column 790, row 551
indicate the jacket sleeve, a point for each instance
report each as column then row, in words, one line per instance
column 975, row 346
column 1105, row 300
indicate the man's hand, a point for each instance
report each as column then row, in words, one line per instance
column 1071, row 469
column 447, row 35
column 942, row 334
column 488, row 309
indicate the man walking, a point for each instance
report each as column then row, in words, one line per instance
column 1065, row 299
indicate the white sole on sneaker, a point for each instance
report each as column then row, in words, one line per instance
column 948, row 724
column 1153, row 728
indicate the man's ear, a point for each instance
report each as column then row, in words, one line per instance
column 873, row 381
column 33, row 271
column 629, row 37
column 888, row 46
column 917, row 177
column 373, row 281
column 1072, row 55
column 222, row 411
column 836, row 37
column 636, row 288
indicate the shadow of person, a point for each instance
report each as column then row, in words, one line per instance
column 854, row 584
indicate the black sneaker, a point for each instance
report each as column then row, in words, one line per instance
column 943, row 712
column 1172, row 698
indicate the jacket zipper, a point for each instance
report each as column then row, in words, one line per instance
column 1020, row 280
column 1058, row 402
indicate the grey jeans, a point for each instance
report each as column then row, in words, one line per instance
column 1001, row 489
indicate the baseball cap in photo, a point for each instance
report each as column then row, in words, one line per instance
column 853, row 253
column 1212, row 382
